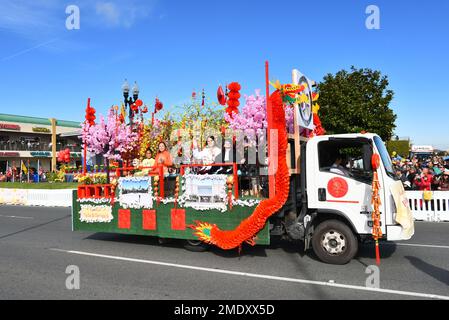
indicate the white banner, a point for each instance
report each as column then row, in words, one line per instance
column 204, row 192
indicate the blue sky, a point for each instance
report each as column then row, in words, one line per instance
column 174, row 47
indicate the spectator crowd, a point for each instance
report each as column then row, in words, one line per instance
column 431, row 174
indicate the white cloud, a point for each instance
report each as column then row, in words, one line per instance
column 123, row 13
column 109, row 12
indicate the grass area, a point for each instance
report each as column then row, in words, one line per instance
column 41, row 185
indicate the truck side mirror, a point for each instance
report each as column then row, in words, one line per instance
column 375, row 161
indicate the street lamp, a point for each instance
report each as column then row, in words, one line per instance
column 128, row 100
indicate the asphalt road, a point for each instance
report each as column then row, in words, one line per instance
column 37, row 245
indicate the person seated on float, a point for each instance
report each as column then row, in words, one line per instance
column 338, row 167
column 145, row 164
column 208, row 155
column 228, row 156
column 163, row 157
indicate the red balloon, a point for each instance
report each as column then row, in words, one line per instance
column 221, row 96
column 139, row 102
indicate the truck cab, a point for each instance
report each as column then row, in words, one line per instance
column 334, row 180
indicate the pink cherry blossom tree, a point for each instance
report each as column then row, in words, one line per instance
column 252, row 120
column 110, row 139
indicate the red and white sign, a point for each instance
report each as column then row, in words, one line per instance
column 337, row 187
column 9, row 154
column 7, row 126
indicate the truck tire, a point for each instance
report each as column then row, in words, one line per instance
column 334, row 242
column 195, row 245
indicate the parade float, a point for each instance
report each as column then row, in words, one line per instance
column 297, row 196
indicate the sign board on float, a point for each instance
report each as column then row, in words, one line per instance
column 304, row 114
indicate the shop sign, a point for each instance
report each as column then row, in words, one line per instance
column 40, row 129
column 40, row 153
column 9, row 154
column 75, row 154
column 7, row 126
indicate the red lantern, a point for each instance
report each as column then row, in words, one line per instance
column 139, row 103
column 233, row 98
column 221, row 96
column 134, row 107
column 158, row 106
column 145, row 109
column 90, row 115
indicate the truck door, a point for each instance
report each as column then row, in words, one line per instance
column 339, row 179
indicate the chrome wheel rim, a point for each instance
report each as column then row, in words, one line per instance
column 333, row 242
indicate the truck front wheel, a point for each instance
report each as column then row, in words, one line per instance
column 334, row 242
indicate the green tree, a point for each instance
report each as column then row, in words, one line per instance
column 357, row 101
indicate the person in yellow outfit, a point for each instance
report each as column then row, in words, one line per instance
column 147, row 162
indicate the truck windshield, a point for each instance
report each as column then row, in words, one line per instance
column 385, row 156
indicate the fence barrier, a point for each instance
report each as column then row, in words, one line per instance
column 435, row 210
column 36, row 197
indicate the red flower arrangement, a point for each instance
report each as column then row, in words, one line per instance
column 233, row 98
column 248, row 228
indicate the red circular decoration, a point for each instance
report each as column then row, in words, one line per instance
column 375, row 161
column 337, row 187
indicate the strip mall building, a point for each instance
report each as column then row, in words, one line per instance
column 30, row 139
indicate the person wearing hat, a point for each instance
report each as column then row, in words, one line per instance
column 444, row 181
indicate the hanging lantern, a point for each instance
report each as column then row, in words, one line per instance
column 158, row 105
column 139, row 103
column 233, row 98
column 221, row 96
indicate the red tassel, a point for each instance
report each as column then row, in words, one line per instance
column 377, row 253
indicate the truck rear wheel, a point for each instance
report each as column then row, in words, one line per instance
column 195, row 245
column 334, row 242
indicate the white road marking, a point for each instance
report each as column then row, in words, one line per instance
column 421, row 245
column 260, row 276
column 17, row 217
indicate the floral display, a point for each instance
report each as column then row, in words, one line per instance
column 111, row 138
column 91, row 178
column 252, row 121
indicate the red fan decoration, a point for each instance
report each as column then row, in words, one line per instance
column 221, row 96
column 233, row 98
